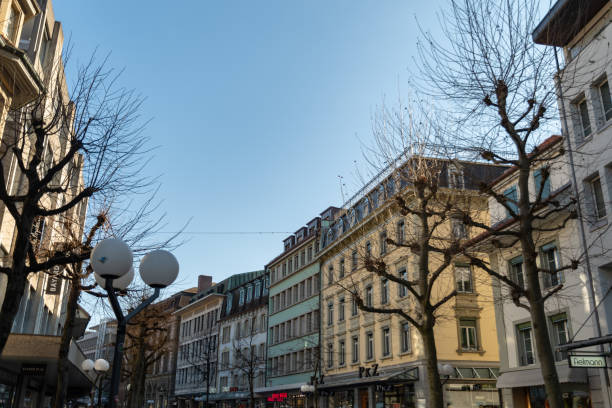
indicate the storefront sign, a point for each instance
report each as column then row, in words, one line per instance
column 587, row 361
column 54, row 284
column 278, row 397
column 368, row 371
column 33, row 370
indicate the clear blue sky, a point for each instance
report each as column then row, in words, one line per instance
column 257, row 106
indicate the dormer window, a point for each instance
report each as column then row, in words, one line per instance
column 249, row 295
column 241, row 300
column 455, row 177
column 257, row 289
column 228, row 305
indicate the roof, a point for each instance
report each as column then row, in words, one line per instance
column 565, row 20
column 539, row 149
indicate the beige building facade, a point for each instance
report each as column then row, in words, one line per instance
column 377, row 360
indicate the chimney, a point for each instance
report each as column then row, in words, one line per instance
column 204, row 282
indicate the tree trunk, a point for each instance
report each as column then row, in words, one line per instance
column 61, row 387
column 534, row 291
column 16, row 282
column 137, row 379
column 436, row 395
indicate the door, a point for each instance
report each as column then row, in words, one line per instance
column 363, row 399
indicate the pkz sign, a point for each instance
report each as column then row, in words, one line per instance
column 587, row 361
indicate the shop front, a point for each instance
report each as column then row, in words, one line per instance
column 285, row 396
column 525, row 388
column 370, row 389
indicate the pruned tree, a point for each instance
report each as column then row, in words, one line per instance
column 249, row 361
column 147, row 342
column 71, row 146
column 416, row 183
column 495, row 95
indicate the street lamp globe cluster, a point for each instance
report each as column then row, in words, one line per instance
column 112, row 261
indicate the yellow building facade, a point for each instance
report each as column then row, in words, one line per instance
column 377, row 360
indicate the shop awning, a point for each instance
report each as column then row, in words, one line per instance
column 533, row 376
column 280, row 387
column 409, row 374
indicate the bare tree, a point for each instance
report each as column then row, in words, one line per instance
column 495, row 95
column 416, row 180
column 69, row 146
column 148, row 341
column 248, row 362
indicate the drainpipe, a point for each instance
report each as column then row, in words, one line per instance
column 590, row 285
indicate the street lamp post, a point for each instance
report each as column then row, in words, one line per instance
column 112, row 261
column 99, row 367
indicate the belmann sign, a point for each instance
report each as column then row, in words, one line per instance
column 587, row 361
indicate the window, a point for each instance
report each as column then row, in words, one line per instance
column 309, row 253
column 330, row 275
column 330, row 313
column 455, row 177
column 228, row 305
column 401, row 289
column 354, row 308
column 599, row 206
column 386, row 341
column 296, row 261
column 516, row 271
column 384, row 291
column 257, row 289
column 550, row 262
column 369, row 346
column 606, row 100
column 383, row 242
column 225, row 359
column 525, row 341
column 309, row 287
column 330, row 355
column 467, row 328
column 538, row 177
column 303, row 258
column 354, row 260
column 400, row 232
column 405, row 338
column 458, row 227
column 463, row 277
column 368, row 249
column 249, row 295
column 341, row 309
column 341, row 272
column 241, row 300
column 512, row 197
column 226, row 334
column 290, row 266
column 355, row 348
column 585, row 122
column 12, row 22
column 560, row 334
column 368, row 295
column 342, row 353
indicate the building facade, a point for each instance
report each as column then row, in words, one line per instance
column 521, row 381
column 293, row 325
column 160, row 381
column 243, row 326
column 196, row 375
column 375, row 359
column 583, row 31
column 31, row 44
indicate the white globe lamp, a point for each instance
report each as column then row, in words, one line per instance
column 159, row 268
column 101, row 365
column 87, row 365
column 120, row 283
column 111, row 258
